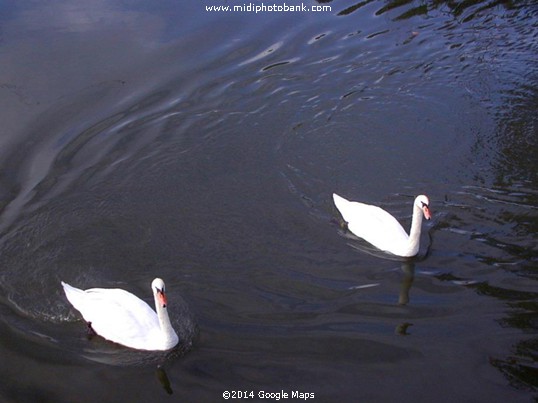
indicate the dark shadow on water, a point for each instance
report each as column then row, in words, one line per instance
column 519, row 367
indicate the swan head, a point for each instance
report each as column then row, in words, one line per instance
column 157, row 286
column 423, row 203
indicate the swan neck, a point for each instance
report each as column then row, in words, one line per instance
column 414, row 232
column 169, row 335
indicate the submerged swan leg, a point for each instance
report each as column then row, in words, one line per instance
column 90, row 333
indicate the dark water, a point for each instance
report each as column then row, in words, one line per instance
column 160, row 139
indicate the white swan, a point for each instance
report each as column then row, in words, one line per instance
column 121, row 317
column 381, row 229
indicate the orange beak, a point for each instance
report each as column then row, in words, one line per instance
column 162, row 298
column 426, row 211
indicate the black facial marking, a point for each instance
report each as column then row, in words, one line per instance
column 162, row 293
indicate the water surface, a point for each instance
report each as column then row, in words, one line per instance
column 203, row 147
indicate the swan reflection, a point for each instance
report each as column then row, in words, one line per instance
column 163, row 380
column 408, row 269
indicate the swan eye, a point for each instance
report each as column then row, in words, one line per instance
column 424, row 204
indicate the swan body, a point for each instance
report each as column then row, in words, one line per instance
column 123, row 318
column 381, row 229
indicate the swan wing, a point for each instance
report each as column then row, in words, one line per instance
column 116, row 315
column 373, row 224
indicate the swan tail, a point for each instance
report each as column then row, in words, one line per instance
column 342, row 205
